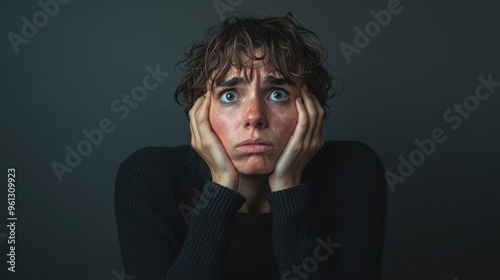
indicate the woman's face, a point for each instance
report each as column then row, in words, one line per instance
column 254, row 119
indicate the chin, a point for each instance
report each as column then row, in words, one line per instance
column 255, row 172
column 255, row 168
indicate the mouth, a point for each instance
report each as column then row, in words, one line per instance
column 254, row 146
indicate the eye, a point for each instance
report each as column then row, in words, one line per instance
column 228, row 97
column 279, row 95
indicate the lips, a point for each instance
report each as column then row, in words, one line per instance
column 254, row 146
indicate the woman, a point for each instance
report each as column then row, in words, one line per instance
column 257, row 194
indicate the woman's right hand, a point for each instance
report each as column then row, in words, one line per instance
column 206, row 143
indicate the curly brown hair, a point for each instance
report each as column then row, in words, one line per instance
column 293, row 50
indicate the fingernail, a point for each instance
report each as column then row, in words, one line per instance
column 300, row 100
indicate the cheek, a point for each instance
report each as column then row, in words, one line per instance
column 289, row 125
column 286, row 125
column 220, row 125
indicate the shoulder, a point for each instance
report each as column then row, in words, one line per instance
column 348, row 166
column 156, row 179
column 149, row 160
column 349, row 197
column 347, row 183
column 351, row 154
column 157, row 167
column 154, row 155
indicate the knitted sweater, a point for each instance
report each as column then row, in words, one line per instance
column 175, row 223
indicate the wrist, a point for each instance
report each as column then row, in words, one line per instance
column 277, row 184
column 229, row 181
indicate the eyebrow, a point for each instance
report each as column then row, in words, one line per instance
column 234, row 81
column 276, row 81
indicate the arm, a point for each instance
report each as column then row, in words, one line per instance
column 300, row 252
column 342, row 208
column 204, row 250
column 151, row 229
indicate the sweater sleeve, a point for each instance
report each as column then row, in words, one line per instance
column 151, row 230
column 300, row 252
column 205, row 248
column 349, row 207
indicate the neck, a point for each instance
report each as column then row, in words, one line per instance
column 255, row 189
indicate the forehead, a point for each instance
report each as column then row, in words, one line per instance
column 245, row 70
column 259, row 69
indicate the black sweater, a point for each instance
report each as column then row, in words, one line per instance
column 175, row 223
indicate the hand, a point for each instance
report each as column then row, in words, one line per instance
column 206, row 143
column 305, row 141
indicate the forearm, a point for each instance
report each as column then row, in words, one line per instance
column 207, row 240
column 300, row 251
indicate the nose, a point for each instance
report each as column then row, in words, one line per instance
column 256, row 116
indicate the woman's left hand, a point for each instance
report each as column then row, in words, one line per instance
column 305, row 141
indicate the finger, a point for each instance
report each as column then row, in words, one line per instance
column 201, row 105
column 302, row 124
column 195, row 140
column 318, row 131
column 192, row 120
column 203, row 120
column 191, row 129
column 196, row 106
column 312, row 113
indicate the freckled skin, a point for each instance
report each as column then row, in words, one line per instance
column 253, row 116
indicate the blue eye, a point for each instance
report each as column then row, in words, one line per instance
column 279, row 95
column 228, row 97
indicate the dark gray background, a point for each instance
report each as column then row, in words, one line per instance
column 443, row 221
